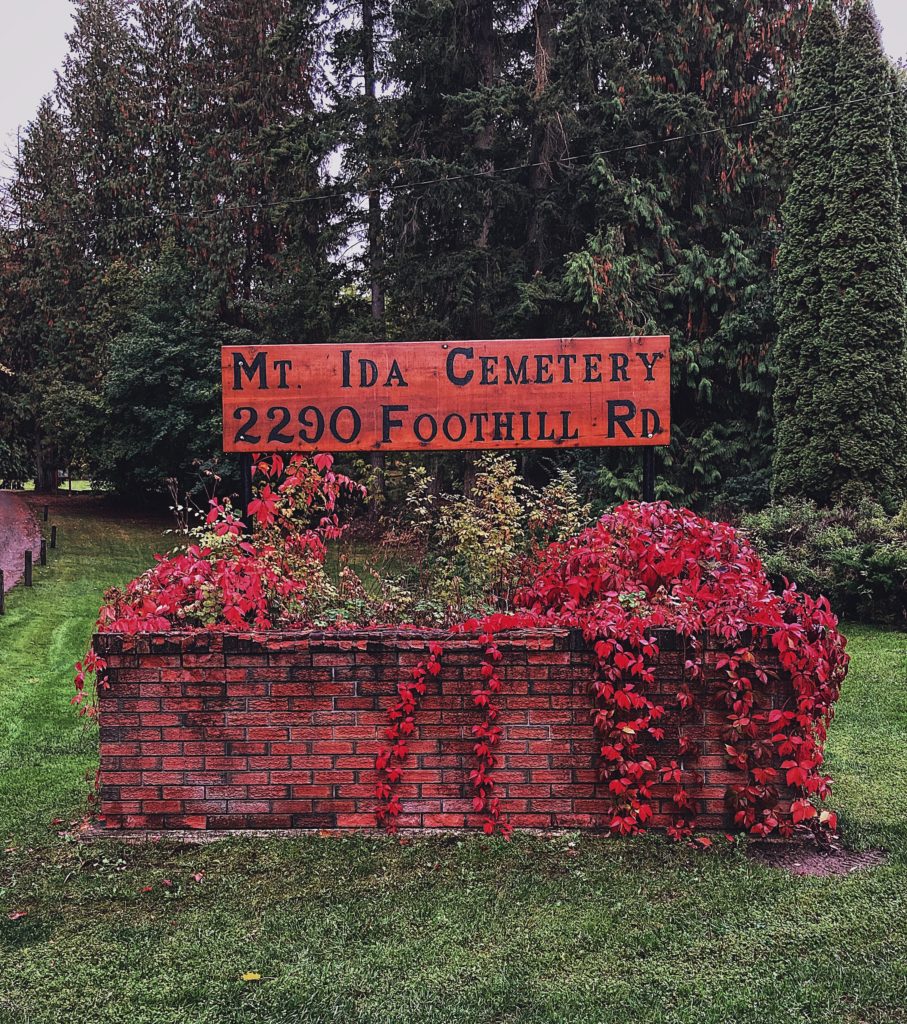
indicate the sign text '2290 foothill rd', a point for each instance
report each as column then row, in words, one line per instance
column 447, row 395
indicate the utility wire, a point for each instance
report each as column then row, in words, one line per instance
column 357, row 187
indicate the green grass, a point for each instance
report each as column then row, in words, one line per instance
column 440, row 930
column 78, row 486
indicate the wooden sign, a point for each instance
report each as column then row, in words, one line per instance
column 446, row 395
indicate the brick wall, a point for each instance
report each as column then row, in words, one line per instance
column 280, row 730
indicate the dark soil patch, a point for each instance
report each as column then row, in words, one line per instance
column 816, row 861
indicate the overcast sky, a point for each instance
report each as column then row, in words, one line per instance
column 33, row 43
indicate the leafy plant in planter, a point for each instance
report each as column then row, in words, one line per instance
column 639, row 569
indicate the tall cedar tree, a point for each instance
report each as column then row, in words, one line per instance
column 798, row 467
column 670, row 228
column 253, row 76
column 358, row 97
column 161, row 387
column 163, row 31
column 453, row 248
column 860, row 425
column 44, row 340
column 98, row 95
column 691, row 252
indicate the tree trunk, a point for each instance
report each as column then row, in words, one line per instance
column 548, row 135
column 45, row 468
column 376, row 459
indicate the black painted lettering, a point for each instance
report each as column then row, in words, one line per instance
column 502, row 426
column 567, row 359
column 311, row 423
column 389, row 421
column 651, row 423
column 543, row 369
column 619, row 414
column 276, row 435
column 565, row 427
column 345, row 368
column 592, row 374
column 648, row 363
column 395, row 376
column 543, row 423
column 516, row 374
column 422, row 420
column 241, row 367
column 489, row 366
column 479, row 419
column 461, row 426
column 250, row 418
column 619, row 363
column 368, row 373
column 458, row 379
column 524, row 421
column 355, row 424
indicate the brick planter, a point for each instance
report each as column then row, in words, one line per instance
column 280, row 730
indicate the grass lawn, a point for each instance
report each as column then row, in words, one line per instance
column 572, row 929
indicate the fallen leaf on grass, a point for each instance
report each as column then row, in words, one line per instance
column 251, row 976
column 199, row 876
column 15, row 915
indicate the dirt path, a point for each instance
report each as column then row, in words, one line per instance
column 18, row 531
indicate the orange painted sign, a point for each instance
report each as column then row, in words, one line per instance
column 447, row 395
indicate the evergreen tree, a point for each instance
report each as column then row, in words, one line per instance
column 861, row 423
column 454, row 248
column 161, row 388
column 358, row 55
column 163, row 39
column 798, row 467
column 678, row 236
column 257, row 150
column 99, row 97
column 43, row 336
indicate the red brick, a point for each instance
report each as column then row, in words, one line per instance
column 444, row 820
column 287, row 736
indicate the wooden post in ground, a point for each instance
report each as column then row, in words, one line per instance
column 42, row 556
column 53, row 537
column 2, row 594
column 28, row 561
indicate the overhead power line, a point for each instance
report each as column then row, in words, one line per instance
column 362, row 187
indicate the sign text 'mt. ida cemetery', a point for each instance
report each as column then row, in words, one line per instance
column 436, row 395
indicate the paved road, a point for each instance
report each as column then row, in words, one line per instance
column 18, row 530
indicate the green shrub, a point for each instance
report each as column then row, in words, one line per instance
column 472, row 547
column 855, row 556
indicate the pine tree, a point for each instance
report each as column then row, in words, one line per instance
column 682, row 231
column 861, row 395
column 163, row 31
column 161, row 387
column 257, row 150
column 797, row 467
column 358, row 55
column 98, row 95
column 43, row 319
column 454, row 249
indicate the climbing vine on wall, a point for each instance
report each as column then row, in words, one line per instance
column 641, row 570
